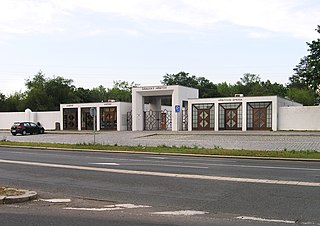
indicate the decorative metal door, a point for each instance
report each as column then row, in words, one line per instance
column 71, row 120
column 109, row 118
column 231, row 119
column 260, row 118
column 157, row 120
column 203, row 119
column 163, row 120
column 88, row 121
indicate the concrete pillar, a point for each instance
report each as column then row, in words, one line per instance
column 244, row 116
column 190, row 116
column 27, row 115
column 98, row 119
column 176, row 116
column 216, row 116
column 79, row 118
column 137, row 111
column 275, row 115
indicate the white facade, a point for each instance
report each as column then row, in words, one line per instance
column 119, row 114
column 152, row 95
column 241, row 118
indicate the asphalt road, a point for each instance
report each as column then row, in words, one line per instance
column 136, row 189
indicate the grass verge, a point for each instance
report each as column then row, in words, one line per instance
column 174, row 149
column 4, row 191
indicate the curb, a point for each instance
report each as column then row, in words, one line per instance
column 27, row 196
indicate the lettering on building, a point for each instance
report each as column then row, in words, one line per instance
column 154, row 87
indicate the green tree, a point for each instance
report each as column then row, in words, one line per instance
column 99, row 94
column 307, row 72
column 226, row 90
column 121, row 91
column 2, row 102
column 15, row 102
column 270, row 89
column 45, row 94
column 304, row 96
column 249, row 85
column 206, row 88
column 252, row 85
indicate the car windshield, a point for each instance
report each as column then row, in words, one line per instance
column 17, row 123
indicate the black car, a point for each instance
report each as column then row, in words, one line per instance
column 26, row 127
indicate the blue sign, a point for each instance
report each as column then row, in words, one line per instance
column 177, row 108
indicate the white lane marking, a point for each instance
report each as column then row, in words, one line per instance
column 220, row 164
column 267, row 167
column 105, row 163
column 127, row 206
column 56, row 200
column 92, row 209
column 176, row 166
column 181, row 213
column 161, row 174
column 177, row 162
column 161, row 158
column 108, row 207
column 265, row 220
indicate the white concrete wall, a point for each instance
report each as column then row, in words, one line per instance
column 47, row 119
column 299, row 118
column 122, row 116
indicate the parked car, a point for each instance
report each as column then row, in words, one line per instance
column 26, row 127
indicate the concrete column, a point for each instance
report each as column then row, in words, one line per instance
column 176, row 116
column 119, row 119
column 98, row 119
column 137, row 111
column 216, row 116
column 61, row 118
column 244, row 116
column 275, row 114
column 79, row 118
column 190, row 116
column 27, row 115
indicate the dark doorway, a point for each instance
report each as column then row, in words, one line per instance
column 108, row 118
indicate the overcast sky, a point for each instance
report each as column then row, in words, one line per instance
column 95, row 42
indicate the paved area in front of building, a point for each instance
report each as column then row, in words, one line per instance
column 227, row 140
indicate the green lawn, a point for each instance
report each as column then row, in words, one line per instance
column 173, row 149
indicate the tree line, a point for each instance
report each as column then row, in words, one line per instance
column 46, row 94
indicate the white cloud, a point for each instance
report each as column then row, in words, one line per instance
column 293, row 17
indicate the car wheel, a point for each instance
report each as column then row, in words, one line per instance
column 24, row 132
column 13, row 134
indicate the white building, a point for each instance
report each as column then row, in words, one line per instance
column 155, row 119
column 149, row 110
column 109, row 116
column 236, row 113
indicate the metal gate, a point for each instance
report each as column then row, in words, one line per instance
column 158, row 120
column 185, row 119
column 129, row 121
